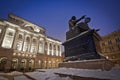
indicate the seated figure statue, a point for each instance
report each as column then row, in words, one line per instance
column 79, row 27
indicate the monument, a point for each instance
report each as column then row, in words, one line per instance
column 82, row 46
column 81, row 41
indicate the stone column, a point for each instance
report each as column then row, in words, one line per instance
column 30, row 43
column 37, row 45
column 52, row 49
column 56, row 50
column 15, row 39
column 23, row 41
column 48, row 48
column 44, row 46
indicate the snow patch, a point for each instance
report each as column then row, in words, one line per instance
column 16, row 73
column 46, row 76
column 112, row 74
column 21, row 78
column 3, row 78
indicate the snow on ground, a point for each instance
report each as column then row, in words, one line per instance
column 46, row 76
column 21, row 78
column 12, row 73
column 15, row 73
column 113, row 74
column 3, row 78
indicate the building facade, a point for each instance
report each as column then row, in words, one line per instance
column 25, row 46
column 110, row 47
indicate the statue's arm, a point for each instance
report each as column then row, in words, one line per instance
column 80, row 18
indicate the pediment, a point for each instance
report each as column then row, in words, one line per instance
column 31, row 28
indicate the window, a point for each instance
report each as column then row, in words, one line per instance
column 40, row 47
column 8, row 39
column 20, row 37
column 19, row 42
column 19, row 46
column 33, row 47
column 26, row 44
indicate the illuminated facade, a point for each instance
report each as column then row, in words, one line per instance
column 110, row 47
column 25, row 46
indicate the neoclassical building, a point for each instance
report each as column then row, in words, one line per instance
column 25, row 46
column 110, row 47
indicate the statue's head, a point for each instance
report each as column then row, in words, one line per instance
column 73, row 18
column 87, row 20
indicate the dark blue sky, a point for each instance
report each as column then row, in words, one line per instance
column 54, row 14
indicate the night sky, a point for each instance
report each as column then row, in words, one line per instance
column 54, row 15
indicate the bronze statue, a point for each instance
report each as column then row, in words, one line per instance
column 79, row 27
column 73, row 21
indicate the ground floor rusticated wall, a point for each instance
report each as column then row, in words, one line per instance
column 14, row 60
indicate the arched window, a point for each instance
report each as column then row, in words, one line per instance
column 41, row 46
column 8, row 38
column 26, row 44
column 27, row 39
column 33, row 46
column 20, row 37
column 19, row 42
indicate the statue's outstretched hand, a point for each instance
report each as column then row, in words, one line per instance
column 83, row 17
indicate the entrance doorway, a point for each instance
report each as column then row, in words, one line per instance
column 23, row 64
column 14, row 64
column 3, row 62
column 31, row 65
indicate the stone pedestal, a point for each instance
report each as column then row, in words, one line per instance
column 102, row 64
column 82, row 46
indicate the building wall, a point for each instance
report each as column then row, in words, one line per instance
column 25, row 46
column 110, row 47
